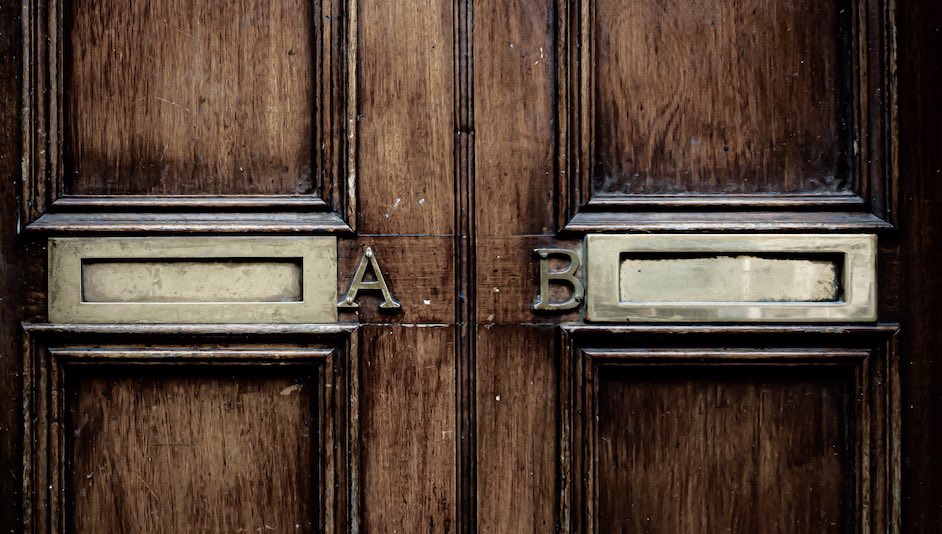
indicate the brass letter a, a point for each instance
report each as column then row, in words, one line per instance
column 349, row 300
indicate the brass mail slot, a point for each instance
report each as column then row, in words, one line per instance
column 193, row 280
column 731, row 278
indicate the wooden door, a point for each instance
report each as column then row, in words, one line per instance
column 585, row 266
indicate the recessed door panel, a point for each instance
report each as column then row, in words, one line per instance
column 156, row 449
column 719, row 97
column 174, row 97
column 725, row 449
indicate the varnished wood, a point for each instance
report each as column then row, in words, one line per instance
column 513, row 86
column 322, row 152
column 408, row 428
column 766, row 76
column 838, row 56
column 420, row 273
column 206, row 400
column 184, row 202
column 406, row 165
column 859, row 494
column 508, row 280
column 178, row 451
column 706, row 221
column 469, row 115
column 731, row 445
column 517, row 370
column 189, row 223
column 221, row 100
column 707, row 201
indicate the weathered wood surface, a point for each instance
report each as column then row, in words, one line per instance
column 216, row 449
column 724, row 449
column 718, row 97
column 459, row 170
column 172, row 97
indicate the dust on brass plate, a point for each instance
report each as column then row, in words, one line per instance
column 731, row 278
column 193, row 280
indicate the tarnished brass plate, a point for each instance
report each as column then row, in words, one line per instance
column 193, row 280
column 731, row 278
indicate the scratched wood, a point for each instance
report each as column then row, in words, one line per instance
column 225, row 450
column 516, row 365
column 420, row 273
column 459, row 401
column 508, row 280
column 517, row 423
column 513, row 84
column 730, row 97
column 728, row 450
column 406, row 124
column 407, row 426
column 175, row 97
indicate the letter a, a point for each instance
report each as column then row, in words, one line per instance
column 357, row 284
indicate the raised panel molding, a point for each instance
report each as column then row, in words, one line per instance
column 865, row 89
column 52, row 354
column 864, row 356
column 48, row 207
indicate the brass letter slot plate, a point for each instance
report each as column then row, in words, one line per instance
column 193, row 280
column 731, row 278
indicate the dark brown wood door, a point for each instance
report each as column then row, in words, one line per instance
column 585, row 266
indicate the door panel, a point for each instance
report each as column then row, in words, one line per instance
column 180, row 98
column 624, row 119
column 759, row 434
column 718, row 97
column 465, row 152
column 121, row 435
column 406, row 120
column 132, row 111
column 773, row 442
column 517, row 409
column 155, row 448
column 408, row 428
column 753, row 104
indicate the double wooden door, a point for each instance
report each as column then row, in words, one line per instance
column 577, row 266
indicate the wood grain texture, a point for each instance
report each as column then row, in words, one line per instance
column 920, row 49
column 488, row 209
column 508, row 280
column 11, row 274
column 803, row 386
column 718, row 97
column 407, row 427
column 171, row 97
column 419, row 270
column 158, row 450
column 513, row 86
column 728, row 450
column 890, row 295
column 517, row 410
column 406, row 122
